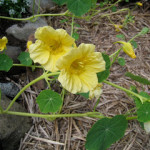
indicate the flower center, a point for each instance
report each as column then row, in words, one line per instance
column 55, row 47
column 77, row 67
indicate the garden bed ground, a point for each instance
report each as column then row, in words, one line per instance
column 71, row 132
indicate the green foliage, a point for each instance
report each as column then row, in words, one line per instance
column 121, row 61
column 14, row 8
column 75, row 35
column 144, row 112
column 77, row 7
column 60, row 2
column 63, row 21
column 49, row 101
column 5, row 62
column 120, row 36
column 136, row 100
column 25, row 59
column 114, row 9
column 134, row 44
column 138, row 78
column 106, row 132
column 145, row 30
column 104, row 74
column 103, row 3
column 85, row 95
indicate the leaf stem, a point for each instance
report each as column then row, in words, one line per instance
column 34, row 16
column 88, row 114
column 21, row 65
column 127, row 91
column 45, row 75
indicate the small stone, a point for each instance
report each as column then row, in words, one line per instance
column 22, row 33
column 9, row 89
column 44, row 5
column 13, row 52
column 12, row 128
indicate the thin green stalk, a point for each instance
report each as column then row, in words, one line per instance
column 21, row 65
column 131, row 118
column 31, row 83
column 88, row 114
column 33, row 7
column 127, row 91
column 72, row 25
column 97, row 102
column 116, row 55
column 45, row 116
column 34, row 16
column 106, row 8
column 62, row 96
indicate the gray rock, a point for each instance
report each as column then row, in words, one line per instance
column 9, row 89
column 12, row 128
column 22, row 33
column 44, row 5
column 13, row 52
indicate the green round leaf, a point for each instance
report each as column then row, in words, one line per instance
column 5, row 62
column 121, row 61
column 106, row 132
column 144, row 112
column 25, row 59
column 79, row 7
column 49, row 101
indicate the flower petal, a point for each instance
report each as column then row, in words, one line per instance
column 39, row 52
column 46, row 34
column 70, row 82
column 65, row 38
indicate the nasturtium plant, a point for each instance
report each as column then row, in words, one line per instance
column 138, row 78
column 104, row 74
column 134, row 44
column 120, row 36
column 25, row 59
column 79, row 7
column 5, row 62
column 85, row 95
column 75, row 35
column 144, row 112
column 49, row 101
column 121, row 61
column 145, row 30
column 105, row 132
column 137, row 101
column 60, row 2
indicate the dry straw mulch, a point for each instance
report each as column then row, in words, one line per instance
column 70, row 133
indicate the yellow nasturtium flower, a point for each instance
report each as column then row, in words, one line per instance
column 127, row 48
column 28, row 44
column 79, row 67
column 118, row 27
column 50, row 45
column 96, row 92
column 139, row 4
column 3, row 43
